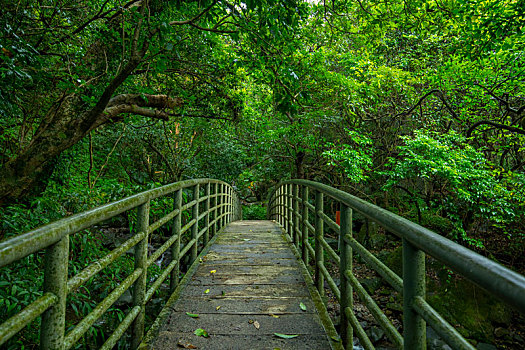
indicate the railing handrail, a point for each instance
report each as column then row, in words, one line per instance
column 491, row 276
column 290, row 204
column 22, row 245
column 220, row 205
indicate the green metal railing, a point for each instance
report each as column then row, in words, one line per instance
column 291, row 205
column 220, row 205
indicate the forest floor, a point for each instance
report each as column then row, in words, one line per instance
column 508, row 334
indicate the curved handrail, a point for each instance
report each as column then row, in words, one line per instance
column 287, row 207
column 220, row 205
column 22, row 245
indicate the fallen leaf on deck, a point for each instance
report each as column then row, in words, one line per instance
column 201, row 333
column 212, row 272
column 206, row 291
column 302, row 306
column 286, row 336
column 218, row 308
column 275, row 316
column 256, row 325
column 186, row 345
column 192, row 315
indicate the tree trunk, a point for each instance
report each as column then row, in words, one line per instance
column 63, row 128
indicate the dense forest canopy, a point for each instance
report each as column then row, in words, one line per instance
column 417, row 106
column 417, row 102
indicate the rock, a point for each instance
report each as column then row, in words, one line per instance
column 435, row 342
column 395, row 261
column 337, row 281
column 471, row 308
column 368, row 235
column 125, row 298
column 499, row 313
column 372, row 284
column 485, row 346
column 375, row 334
column 395, row 306
column 500, row 332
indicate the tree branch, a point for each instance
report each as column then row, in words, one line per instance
column 496, row 125
column 138, row 104
column 440, row 95
column 196, row 18
column 214, row 30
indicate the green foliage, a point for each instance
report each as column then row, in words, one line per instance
column 253, row 212
column 354, row 159
column 269, row 90
column 455, row 178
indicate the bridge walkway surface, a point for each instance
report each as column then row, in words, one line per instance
column 248, row 286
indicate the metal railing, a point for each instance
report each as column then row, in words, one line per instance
column 291, row 205
column 220, row 205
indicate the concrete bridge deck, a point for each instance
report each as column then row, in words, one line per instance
column 248, row 286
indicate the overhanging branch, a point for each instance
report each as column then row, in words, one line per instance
column 496, row 125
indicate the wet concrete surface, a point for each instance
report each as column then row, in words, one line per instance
column 248, row 287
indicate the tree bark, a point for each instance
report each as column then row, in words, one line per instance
column 64, row 127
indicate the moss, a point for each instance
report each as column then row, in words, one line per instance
column 436, row 223
column 475, row 313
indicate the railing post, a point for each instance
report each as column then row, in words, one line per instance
column 295, row 211
column 214, row 211
column 218, row 209
column 285, row 209
column 282, row 206
column 278, row 207
column 139, row 288
column 414, row 328
column 273, row 208
column 305, row 226
column 319, row 232
column 230, row 205
column 206, row 238
column 175, row 248
column 55, row 281
column 195, row 227
column 289, row 210
column 221, row 211
column 346, row 265
column 239, row 207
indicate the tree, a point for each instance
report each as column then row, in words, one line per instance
column 65, row 74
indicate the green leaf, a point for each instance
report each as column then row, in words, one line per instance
column 302, row 306
column 201, row 333
column 286, row 336
column 192, row 315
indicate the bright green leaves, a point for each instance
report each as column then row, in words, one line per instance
column 355, row 158
column 286, row 336
column 457, row 178
column 201, row 333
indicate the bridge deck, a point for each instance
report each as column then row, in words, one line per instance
column 256, row 290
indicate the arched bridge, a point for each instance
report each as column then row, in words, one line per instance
column 249, row 284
